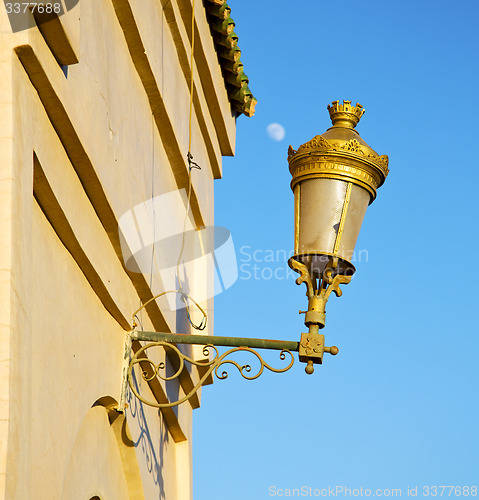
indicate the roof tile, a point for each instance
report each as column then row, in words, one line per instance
column 226, row 44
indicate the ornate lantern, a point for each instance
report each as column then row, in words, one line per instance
column 335, row 178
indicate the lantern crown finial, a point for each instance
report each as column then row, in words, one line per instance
column 345, row 115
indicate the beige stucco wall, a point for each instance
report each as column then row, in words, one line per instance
column 109, row 136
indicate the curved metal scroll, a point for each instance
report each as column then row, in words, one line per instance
column 212, row 365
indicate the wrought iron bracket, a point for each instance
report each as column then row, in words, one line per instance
column 318, row 291
column 307, row 348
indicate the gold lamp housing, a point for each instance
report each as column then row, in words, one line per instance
column 335, row 178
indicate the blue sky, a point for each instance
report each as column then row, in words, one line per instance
column 398, row 407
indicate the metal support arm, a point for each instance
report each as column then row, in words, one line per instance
column 180, row 338
column 151, row 370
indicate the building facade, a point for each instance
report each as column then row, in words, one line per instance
column 94, row 130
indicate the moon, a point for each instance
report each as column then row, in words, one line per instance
column 276, row 131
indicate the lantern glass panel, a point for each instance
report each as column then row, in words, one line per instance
column 331, row 212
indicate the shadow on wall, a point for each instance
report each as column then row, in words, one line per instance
column 143, row 440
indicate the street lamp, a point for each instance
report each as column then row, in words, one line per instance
column 334, row 178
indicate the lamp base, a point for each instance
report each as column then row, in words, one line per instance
column 318, row 290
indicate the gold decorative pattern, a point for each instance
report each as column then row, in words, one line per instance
column 382, row 161
column 157, row 370
column 345, row 115
column 312, row 344
column 317, row 143
column 334, row 170
column 373, row 173
column 304, row 277
column 353, row 145
column 337, row 158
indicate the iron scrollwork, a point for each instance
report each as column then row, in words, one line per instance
column 213, row 365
